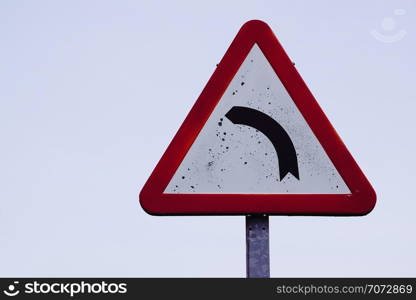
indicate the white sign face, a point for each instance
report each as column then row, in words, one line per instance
column 256, row 142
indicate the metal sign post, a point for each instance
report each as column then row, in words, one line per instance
column 257, row 240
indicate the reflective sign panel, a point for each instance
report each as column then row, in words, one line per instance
column 257, row 142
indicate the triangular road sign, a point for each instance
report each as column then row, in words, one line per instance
column 257, row 142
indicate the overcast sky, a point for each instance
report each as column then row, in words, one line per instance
column 93, row 91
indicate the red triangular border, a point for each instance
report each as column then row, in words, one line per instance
column 362, row 198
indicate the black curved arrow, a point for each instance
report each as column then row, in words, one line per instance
column 281, row 141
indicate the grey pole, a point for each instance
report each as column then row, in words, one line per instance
column 257, row 241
